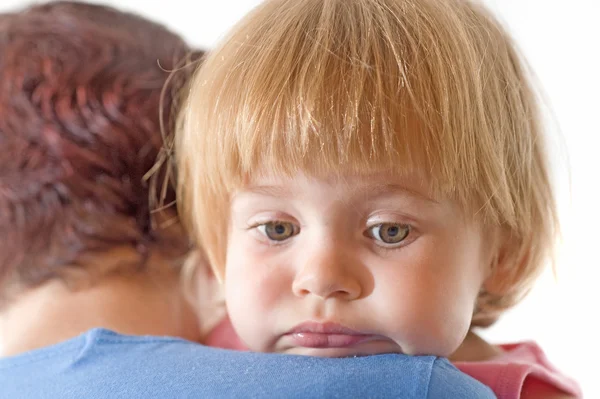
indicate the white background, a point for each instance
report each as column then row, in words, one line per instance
column 562, row 41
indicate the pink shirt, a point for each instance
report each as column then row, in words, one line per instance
column 506, row 374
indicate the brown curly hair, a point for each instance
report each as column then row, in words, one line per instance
column 79, row 128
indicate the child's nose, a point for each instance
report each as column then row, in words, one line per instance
column 326, row 275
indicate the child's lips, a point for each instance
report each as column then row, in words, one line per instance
column 327, row 335
column 319, row 340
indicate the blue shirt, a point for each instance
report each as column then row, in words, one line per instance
column 104, row 364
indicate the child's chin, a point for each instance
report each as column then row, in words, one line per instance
column 367, row 349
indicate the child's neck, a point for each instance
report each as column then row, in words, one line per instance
column 475, row 349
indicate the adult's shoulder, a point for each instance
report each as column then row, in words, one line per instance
column 199, row 370
column 243, row 374
column 448, row 381
column 102, row 363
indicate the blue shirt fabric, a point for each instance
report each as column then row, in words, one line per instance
column 104, row 364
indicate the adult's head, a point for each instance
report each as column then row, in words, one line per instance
column 81, row 102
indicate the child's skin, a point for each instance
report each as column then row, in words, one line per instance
column 325, row 267
column 367, row 176
column 351, row 265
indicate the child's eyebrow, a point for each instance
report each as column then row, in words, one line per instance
column 368, row 191
column 379, row 190
column 271, row 191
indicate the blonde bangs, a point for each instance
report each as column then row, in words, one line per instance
column 344, row 88
column 328, row 87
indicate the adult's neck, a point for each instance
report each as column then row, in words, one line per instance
column 146, row 303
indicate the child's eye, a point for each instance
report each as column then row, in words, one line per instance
column 278, row 231
column 389, row 233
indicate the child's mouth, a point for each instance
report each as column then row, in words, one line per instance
column 327, row 335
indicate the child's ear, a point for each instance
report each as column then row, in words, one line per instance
column 204, row 291
column 506, row 263
column 499, row 280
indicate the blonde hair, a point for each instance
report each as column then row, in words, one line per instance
column 434, row 87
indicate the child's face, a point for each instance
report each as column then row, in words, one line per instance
column 352, row 266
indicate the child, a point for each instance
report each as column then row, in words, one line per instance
column 377, row 176
column 90, row 300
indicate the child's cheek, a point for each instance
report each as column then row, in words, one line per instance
column 256, row 285
column 264, row 278
column 264, row 272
